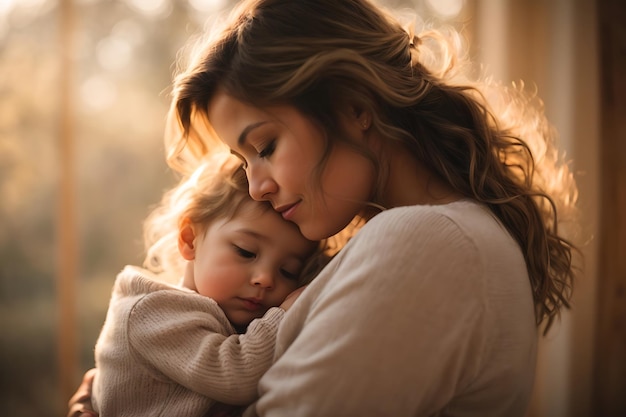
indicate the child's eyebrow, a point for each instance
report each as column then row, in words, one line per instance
column 242, row 137
column 252, row 233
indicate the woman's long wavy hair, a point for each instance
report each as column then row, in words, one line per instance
column 489, row 142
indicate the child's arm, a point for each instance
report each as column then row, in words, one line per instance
column 184, row 339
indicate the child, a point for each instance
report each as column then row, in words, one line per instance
column 202, row 345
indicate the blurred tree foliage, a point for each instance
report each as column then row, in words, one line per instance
column 123, row 64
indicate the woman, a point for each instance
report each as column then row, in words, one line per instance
column 338, row 114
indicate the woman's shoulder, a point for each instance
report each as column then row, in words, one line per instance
column 425, row 231
column 462, row 215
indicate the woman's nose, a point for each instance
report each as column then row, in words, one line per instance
column 263, row 279
column 260, row 184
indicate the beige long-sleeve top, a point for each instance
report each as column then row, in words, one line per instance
column 427, row 311
column 168, row 351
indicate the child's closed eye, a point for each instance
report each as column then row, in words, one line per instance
column 290, row 275
column 244, row 253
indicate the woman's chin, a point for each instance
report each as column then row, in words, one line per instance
column 320, row 231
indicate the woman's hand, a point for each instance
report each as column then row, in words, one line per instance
column 80, row 403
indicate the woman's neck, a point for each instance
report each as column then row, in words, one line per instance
column 410, row 183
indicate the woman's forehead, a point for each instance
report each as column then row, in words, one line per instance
column 232, row 119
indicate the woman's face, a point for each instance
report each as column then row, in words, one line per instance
column 280, row 149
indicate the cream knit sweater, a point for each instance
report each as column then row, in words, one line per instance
column 167, row 351
column 427, row 311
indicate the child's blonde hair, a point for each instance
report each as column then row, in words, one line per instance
column 215, row 190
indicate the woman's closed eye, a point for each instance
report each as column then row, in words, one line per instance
column 268, row 150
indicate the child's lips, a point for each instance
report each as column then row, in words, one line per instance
column 252, row 304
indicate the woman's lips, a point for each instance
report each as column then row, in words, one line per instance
column 288, row 211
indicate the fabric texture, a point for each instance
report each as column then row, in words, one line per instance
column 427, row 311
column 168, row 351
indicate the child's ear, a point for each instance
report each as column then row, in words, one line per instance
column 186, row 237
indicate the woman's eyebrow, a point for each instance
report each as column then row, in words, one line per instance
column 242, row 137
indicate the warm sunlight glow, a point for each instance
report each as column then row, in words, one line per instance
column 20, row 12
column 6, row 6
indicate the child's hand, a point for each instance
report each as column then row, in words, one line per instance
column 291, row 298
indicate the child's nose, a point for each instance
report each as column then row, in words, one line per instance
column 263, row 279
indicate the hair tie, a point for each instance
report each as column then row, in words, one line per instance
column 376, row 206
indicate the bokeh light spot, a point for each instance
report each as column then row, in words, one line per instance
column 113, row 53
column 98, row 93
column 446, row 8
column 207, row 6
column 151, row 8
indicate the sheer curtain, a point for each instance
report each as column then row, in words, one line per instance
column 553, row 45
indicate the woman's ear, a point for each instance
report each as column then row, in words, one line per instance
column 186, row 238
column 363, row 118
column 355, row 120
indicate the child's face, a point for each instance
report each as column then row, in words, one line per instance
column 249, row 263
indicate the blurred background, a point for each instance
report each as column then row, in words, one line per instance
column 83, row 99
